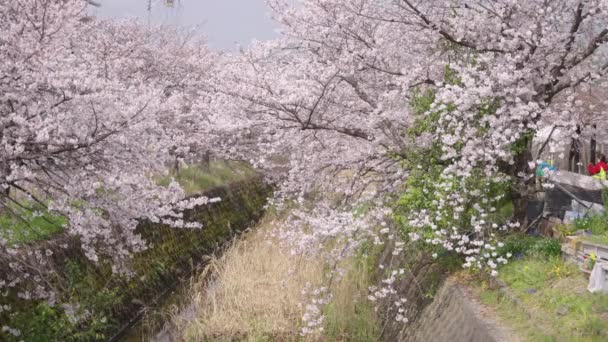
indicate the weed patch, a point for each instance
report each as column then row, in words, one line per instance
column 554, row 304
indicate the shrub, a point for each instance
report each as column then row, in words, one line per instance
column 521, row 245
column 597, row 225
column 547, row 247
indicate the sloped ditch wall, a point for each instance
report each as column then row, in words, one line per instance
column 109, row 303
column 438, row 309
column 451, row 316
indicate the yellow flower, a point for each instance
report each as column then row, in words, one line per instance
column 557, row 271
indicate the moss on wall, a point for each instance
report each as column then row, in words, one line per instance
column 103, row 303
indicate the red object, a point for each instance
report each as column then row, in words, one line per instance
column 595, row 169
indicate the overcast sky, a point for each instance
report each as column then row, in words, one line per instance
column 224, row 22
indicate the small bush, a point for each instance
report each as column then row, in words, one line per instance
column 517, row 244
column 547, row 247
column 597, row 225
column 521, row 245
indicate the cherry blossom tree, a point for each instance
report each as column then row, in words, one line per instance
column 91, row 111
column 445, row 96
column 336, row 92
column 356, row 99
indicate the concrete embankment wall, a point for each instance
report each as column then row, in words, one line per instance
column 104, row 303
column 453, row 315
column 438, row 308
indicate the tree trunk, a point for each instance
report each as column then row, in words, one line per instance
column 524, row 189
column 176, row 166
column 206, row 161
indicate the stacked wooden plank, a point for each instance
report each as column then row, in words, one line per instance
column 579, row 251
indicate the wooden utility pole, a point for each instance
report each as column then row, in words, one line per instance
column 149, row 11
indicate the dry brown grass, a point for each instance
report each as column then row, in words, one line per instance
column 253, row 294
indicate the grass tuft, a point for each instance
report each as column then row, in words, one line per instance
column 351, row 316
column 255, row 294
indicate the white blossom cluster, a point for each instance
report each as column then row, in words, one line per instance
column 314, row 301
column 387, row 292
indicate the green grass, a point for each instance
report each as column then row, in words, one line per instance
column 27, row 227
column 597, row 225
column 527, row 245
column 555, row 304
column 195, row 180
column 350, row 316
column 597, row 239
